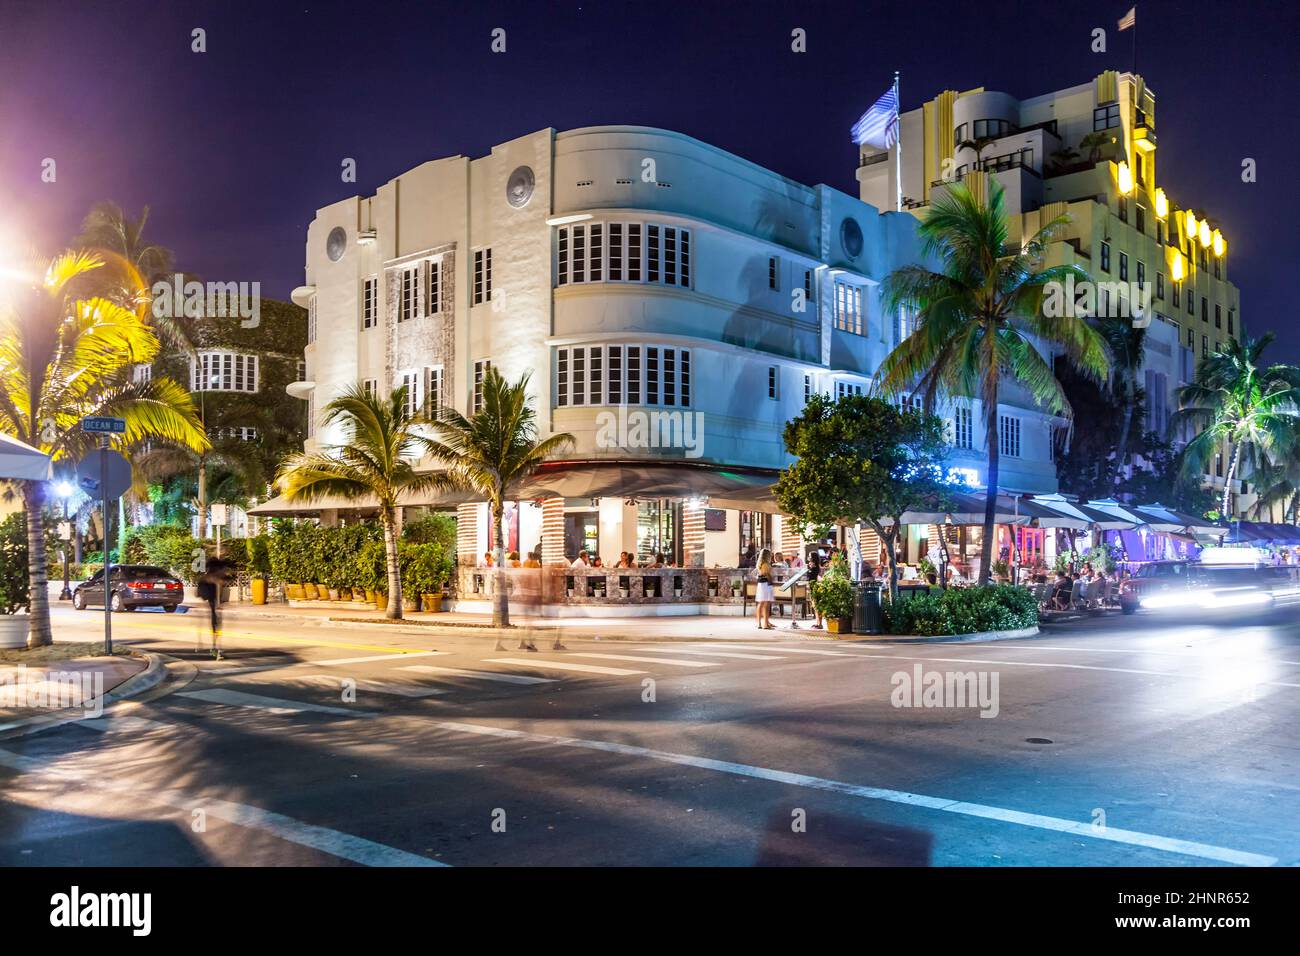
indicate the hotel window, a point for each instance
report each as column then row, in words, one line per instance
column 1205, row 346
column 1123, row 209
column 1231, row 315
column 1104, row 117
column 370, row 386
column 653, row 251
column 223, row 372
column 433, row 392
column 1105, row 257
column 595, row 251
column 142, row 373
column 311, row 321
column 483, row 276
column 408, row 302
column 807, row 285
column 1140, row 167
column 807, row 389
column 432, row 299
column 1123, row 266
column 1205, row 309
column 773, row 382
column 1141, row 221
column 1160, row 233
column 480, row 372
column 1191, row 340
column 411, row 395
column 1204, row 261
column 614, row 251
column 1191, row 302
column 370, row 303
column 962, row 427
column 843, row 389
column 604, row 375
column 1176, row 287
column 302, row 370
column 1218, row 272
column 562, row 257
column 1218, row 464
column 848, row 308
column 1218, row 316
column 1141, row 272
column 634, row 252
column 773, row 273
column 1160, row 286
column 1009, row 436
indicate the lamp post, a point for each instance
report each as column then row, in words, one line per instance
column 64, row 490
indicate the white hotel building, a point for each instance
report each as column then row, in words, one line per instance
column 628, row 270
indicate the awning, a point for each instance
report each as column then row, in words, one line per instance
column 22, row 462
column 1134, row 517
column 1070, row 514
column 281, row 507
column 1258, row 532
column 744, row 489
column 1193, row 525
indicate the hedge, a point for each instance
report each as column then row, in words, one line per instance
column 1004, row 607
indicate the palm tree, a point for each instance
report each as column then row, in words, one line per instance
column 1127, row 343
column 133, row 264
column 977, row 319
column 1278, row 482
column 489, row 453
column 1235, row 401
column 383, row 442
column 1094, row 143
column 64, row 357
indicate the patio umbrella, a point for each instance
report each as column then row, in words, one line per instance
column 1132, row 517
column 22, row 462
column 1193, row 525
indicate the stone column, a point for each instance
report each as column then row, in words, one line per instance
column 467, row 549
column 693, row 534
column 553, row 532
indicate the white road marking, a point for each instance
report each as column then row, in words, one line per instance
column 477, row 675
column 650, row 660
column 1078, row 828
column 787, row 650
column 735, row 654
column 374, row 686
column 1181, row 652
column 124, row 724
column 1075, row 667
column 345, row 846
column 561, row 666
column 272, row 705
column 403, row 655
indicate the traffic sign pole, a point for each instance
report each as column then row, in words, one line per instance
column 108, row 560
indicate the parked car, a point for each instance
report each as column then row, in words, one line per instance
column 1196, row 586
column 132, row 586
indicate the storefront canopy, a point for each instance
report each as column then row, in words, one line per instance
column 281, row 507
column 22, row 462
column 1133, row 517
column 1259, row 532
column 1185, row 522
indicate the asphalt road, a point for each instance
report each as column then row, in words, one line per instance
column 1109, row 741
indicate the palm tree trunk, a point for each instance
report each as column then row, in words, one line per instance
column 394, row 612
column 991, row 494
column 203, row 497
column 1227, row 481
column 1126, row 425
column 892, row 558
column 39, row 633
column 500, row 593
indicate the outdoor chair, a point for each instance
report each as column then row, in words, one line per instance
column 1077, row 593
column 1094, row 593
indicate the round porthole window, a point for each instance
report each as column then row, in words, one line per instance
column 851, row 237
column 519, row 187
column 336, row 243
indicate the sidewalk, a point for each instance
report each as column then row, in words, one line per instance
column 62, row 688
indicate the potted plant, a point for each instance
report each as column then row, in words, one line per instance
column 259, row 567
column 735, row 587
column 833, row 595
column 14, row 592
column 372, row 572
column 713, row 587
column 678, row 586
column 425, row 571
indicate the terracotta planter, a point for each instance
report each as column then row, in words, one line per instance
column 311, row 592
column 259, row 590
column 381, row 601
column 839, row 625
column 432, row 602
column 296, row 592
column 410, row 604
column 334, row 594
column 345, row 594
column 359, row 595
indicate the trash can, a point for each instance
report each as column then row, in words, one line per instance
column 866, row 608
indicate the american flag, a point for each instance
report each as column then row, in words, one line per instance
column 878, row 126
column 1129, row 19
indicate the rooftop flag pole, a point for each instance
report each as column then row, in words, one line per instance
column 898, row 144
column 878, row 128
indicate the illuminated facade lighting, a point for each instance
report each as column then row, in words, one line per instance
column 1220, row 246
column 1162, row 204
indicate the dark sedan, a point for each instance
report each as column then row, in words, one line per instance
column 132, row 586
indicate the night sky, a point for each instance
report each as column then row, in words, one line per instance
column 234, row 149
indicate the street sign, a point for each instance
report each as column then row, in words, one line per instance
column 100, row 424
column 104, row 479
column 220, row 515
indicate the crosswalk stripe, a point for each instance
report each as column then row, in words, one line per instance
column 377, row 687
column 273, row 705
column 736, row 654
column 558, row 666
column 396, row 655
column 477, row 675
column 787, row 650
column 651, row 660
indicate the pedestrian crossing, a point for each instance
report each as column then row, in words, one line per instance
column 295, row 689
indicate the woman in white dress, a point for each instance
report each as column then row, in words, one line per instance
column 764, row 595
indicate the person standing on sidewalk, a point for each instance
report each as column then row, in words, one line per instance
column 763, row 593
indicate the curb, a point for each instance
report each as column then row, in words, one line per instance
column 135, row 685
column 972, row 638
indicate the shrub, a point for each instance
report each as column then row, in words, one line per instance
column 833, row 591
column 259, row 556
column 963, row 611
column 436, row 529
column 14, row 581
column 426, row 568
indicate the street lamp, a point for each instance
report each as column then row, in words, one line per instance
column 64, row 490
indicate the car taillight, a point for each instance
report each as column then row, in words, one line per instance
column 134, row 585
column 174, row 585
